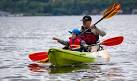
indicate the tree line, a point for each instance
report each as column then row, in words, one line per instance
column 63, row 7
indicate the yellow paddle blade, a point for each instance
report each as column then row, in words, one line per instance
column 112, row 10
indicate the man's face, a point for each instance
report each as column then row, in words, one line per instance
column 87, row 24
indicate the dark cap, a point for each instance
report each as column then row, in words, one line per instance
column 86, row 18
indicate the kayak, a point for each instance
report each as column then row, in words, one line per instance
column 61, row 57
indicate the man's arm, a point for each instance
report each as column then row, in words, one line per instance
column 97, row 31
column 100, row 32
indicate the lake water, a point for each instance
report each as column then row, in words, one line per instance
column 20, row 36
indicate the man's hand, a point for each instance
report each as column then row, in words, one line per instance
column 92, row 27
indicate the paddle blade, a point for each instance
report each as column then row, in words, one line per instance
column 38, row 56
column 113, row 41
column 112, row 10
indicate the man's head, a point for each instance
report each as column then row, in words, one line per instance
column 87, row 21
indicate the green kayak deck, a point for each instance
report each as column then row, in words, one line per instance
column 61, row 57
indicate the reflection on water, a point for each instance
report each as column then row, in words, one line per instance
column 66, row 69
column 85, row 71
column 20, row 36
column 37, row 68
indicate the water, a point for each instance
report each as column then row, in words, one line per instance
column 20, row 36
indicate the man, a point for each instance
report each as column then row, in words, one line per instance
column 90, row 33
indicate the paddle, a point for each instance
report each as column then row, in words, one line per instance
column 113, row 41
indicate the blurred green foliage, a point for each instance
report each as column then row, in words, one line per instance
column 63, row 7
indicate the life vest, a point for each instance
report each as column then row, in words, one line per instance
column 89, row 37
column 74, row 43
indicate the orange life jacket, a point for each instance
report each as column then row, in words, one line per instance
column 74, row 43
